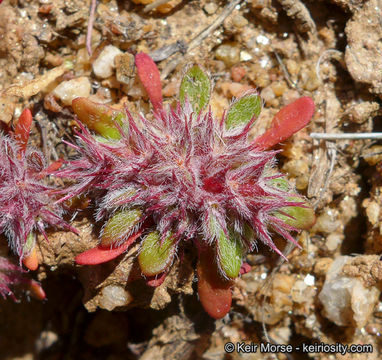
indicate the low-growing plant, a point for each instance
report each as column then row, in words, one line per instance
column 183, row 175
column 27, row 202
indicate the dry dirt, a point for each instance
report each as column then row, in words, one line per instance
column 330, row 50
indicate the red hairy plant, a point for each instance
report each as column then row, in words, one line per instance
column 27, row 203
column 186, row 176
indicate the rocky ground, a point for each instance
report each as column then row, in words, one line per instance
column 328, row 291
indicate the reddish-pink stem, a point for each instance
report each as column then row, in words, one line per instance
column 93, row 6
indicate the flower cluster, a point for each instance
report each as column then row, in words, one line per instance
column 185, row 176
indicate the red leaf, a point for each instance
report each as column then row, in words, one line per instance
column 214, row 291
column 149, row 75
column 100, row 255
column 36, row 290
column 31, row 261
column 22, row 129
column 287, row 121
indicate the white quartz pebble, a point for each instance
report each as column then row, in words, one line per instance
column 104, row 65
column 71, row 89
column 345, row 299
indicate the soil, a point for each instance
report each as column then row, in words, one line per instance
column 330, row 50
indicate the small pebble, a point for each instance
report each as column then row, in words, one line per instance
column 125, row 68
column 346, row 300
column 267, row 94
column 114, row 296
column 171, row 89
column 292, row 67
column 7, row 108
column 309, row 280
column 235, row 89
column 82, row 62
column 279, row 87
column 239, row 21
column 163, row 8
column 289, row 96
column 333, row 241
column 373, row 155
column 283, row 283
column 373, row 329
column 257, row 74
column 322, row 266
column 71, row 89
column 237, row 73
column 298, row 291
column 361, row 112
column 372, row 211
column 46, row 340
column 309, row 80
column 210, row 8
column 228, row 53
column 53, row 59
column 327, row 222
column 104, row 65
column 263, row 40
column 245, row 56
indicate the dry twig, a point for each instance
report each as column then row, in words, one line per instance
column 286, row 72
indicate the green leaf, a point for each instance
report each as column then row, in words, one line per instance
column 196, row 87
column 280, row 184
column 228, row 247
column 155, row 257
column 301, row 217
column 99, row 117
column 120, row 226
column 243, row 110
column 229, row 253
